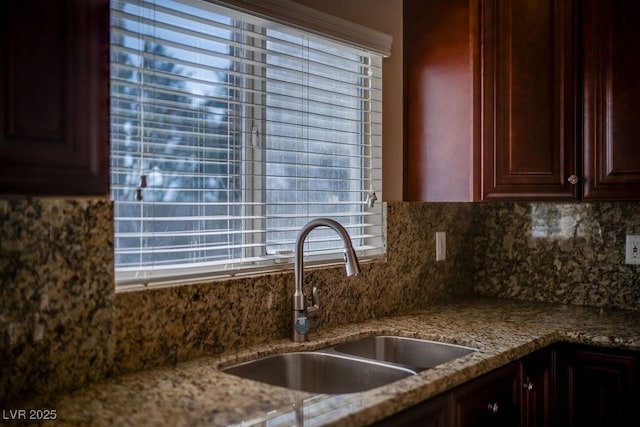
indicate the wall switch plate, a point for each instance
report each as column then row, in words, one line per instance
column 441, row 246
column 632, row 251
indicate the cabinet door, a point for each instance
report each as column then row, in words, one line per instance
column 54, row 83
column 537, row 393
column 611, row 99
column 528, row 99
column 441, row 83
column 431, row 413
column 491, row 400
column 597, row 388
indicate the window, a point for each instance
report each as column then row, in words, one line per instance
column 228, row 133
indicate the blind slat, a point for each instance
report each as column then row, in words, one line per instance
column 282, row 43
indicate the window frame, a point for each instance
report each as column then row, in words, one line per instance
column 254, row 209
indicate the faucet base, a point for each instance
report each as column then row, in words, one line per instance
column 300, row 326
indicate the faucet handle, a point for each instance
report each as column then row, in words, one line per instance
column 312, row 311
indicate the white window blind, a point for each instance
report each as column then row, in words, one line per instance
column 228, row 133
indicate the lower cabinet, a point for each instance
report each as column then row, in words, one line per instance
column 598, row 387
column 491, row 400
column 434, row 412
column 564, row 385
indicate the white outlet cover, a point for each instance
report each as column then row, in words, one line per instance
column 441, row 245
column 632, row 249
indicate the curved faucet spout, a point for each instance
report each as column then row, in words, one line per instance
column 300, row 321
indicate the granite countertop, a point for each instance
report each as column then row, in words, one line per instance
column 197, row 393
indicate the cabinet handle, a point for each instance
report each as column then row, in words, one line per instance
column 528, row 385
column 573, row 179
column 493, row 408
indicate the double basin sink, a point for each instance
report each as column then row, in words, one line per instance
column 350, row 367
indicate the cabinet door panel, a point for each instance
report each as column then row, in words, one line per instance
column 528, row 99
column 54, row 83
column 597, row 388
column 440, row 83
column 538, row 386
column 492, row 400
column 431, row 413
column 611, row 100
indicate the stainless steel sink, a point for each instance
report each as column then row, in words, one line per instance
column 317, row 372
column 410, row 352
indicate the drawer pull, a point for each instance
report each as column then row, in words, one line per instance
column 493, row 408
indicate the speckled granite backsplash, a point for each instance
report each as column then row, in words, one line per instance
column 558, row 252
column 56, row 295
column 62, row 326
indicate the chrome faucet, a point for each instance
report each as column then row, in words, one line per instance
column 300, row 319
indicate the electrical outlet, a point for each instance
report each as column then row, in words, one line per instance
column 441, row 245
column 632, row 252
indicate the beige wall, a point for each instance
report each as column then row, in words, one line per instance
column 385, row 16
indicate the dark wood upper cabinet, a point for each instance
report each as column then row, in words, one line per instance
column 528, row 99
column 522, row 100
column 54, row 97
column 440, row 117
column 611, row 97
